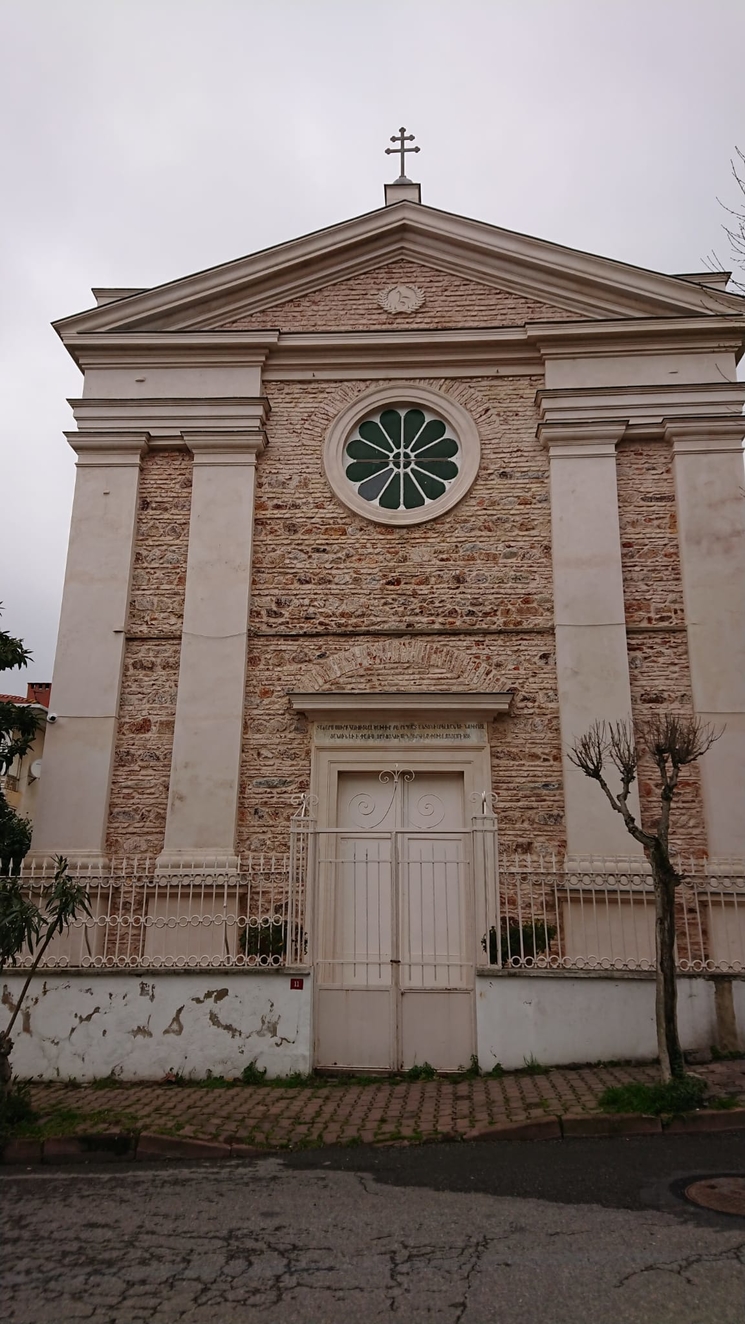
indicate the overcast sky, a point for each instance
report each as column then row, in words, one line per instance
column 145, row 139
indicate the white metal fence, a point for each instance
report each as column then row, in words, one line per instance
column 210, row 919
column 521, row 913
column 545, row 914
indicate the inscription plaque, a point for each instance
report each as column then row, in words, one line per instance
column 400, row 733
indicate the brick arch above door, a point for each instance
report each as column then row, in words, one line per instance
column 400, row 664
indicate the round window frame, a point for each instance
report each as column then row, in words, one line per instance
column 402, row 396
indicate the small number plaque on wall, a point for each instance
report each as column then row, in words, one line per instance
column 297, row 983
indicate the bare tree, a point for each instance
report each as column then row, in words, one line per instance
column 673, row 742
column 735, row 227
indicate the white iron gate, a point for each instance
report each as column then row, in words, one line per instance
column 394, row 925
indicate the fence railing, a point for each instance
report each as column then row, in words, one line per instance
column 210, row 920
column 531, row 913
column 546, row 914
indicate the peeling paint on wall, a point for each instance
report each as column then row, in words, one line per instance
column 86, row 1027
column 83, row 1020
column 175, row 1026
column 217, row 994
column 232, row 1030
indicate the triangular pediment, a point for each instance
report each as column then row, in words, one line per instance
column 514, row 278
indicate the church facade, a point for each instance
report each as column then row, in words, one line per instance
column 368, row 527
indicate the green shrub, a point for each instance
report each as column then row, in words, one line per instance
column 423, row 1071
column 15, row 1110
column 518, row 942
column 265, row 942
column 251, row 1075
column 672, row 1096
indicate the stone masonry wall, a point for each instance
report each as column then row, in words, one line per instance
column 449, row 301
column 463, row 602
column 142, row 760
column 655, row 618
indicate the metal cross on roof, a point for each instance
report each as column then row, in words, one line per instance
column 402, row 137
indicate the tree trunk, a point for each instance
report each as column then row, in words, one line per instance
column 666, row 999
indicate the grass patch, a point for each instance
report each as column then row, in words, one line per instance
column 673, row 1096
column 533, row 1067
column 420, row 1071
column 68, row 1121
column 211, row 1082
column 723, row 1101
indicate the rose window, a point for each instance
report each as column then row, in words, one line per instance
column 400, row 459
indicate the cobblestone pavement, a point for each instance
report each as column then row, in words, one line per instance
column 335, row 1111
column 269, row 1242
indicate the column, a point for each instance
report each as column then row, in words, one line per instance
column 591, row 655
column 710, row 497
column 205, row 768
column 72, row 807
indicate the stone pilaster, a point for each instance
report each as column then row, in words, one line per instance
column 710, row 497
column 591, row 654
column 72, row 808
column 203, row 794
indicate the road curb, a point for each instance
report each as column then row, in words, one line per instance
column 147, row 1146
column 118, row 1146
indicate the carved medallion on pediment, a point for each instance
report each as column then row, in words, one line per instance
column 401, row 299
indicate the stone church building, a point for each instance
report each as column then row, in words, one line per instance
column 386, row 516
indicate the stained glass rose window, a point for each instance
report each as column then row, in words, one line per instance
column 402, row 458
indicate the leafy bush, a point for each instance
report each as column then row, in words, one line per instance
column 420, row 1071
column 672, row 1096
column 251, row 1075
column 15, row 1110
column 518, row 942
column 15, row 839
column 266, row 942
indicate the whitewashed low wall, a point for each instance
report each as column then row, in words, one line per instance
column 140, row 1026
column 563, row 1018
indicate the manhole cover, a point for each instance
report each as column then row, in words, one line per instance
column 725, row 1194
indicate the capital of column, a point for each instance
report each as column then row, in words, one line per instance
column 231, row 448
column 705, row 435
column 109, row 450
column 594, row 438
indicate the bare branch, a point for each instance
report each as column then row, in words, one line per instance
column 679, row 739
column 588, row 751
column 616, row 741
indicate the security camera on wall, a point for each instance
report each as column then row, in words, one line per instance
column 51, row 717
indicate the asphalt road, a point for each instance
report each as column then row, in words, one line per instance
column 558, row 1232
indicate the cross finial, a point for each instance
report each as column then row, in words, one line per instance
column 401, row 138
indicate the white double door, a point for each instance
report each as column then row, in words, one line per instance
column 394, row 975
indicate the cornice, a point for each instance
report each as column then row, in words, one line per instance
column 363, row 705
column 586, row 439
column 644, row 405
column 165, row 421
column 702, row 435
column 481, row 351
column 514, row 350
column 225, row 448
column 580, row 282
column 170, row 349
column 113, row 449
column 655, row 335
